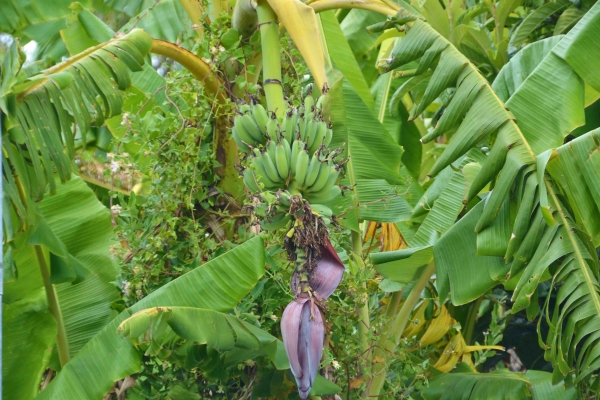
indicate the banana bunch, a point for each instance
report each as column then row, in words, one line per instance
column 306, row 127
column 253, row 127
column 281, row 166
column 249, row 127
column 287, row 158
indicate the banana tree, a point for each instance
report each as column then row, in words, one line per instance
column 517, row 214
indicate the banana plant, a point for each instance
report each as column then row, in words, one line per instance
column 496, row 243
column 505, row 201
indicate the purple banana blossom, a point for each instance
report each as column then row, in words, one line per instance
column 303, row 333
column 302, row 324
column 326, row 276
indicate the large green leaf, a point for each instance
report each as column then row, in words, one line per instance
column 235, row 339
column 496, row 385
column 499, row 384
column 342, row 56
column 76, row 232
column 85, row 90
column 535, row 19
column 536, row 230
column 86, row 230
column 217, row 285
column 374, row 158
column 460, row 271
column 28, row 337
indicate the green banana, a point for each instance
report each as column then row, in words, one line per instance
column 309, row 102
column 270, row 168
column 250, row 181
column 261, row 210
column 321, row 178
column 261, row 173
column 260, row 116
column 321, row 210
column 239, row 141
column 272, row 129
column 328, row 136
column 279, row 221
column 301, row 167
column 287, row 126
column 272, row 148
column 311, row 132
column 252, row 128
column 284, row 198
column 296, row 148
column 320, row 101
column 288, row 150
column 319, row 137
column 268, row 197
column 313, row 172
column 302, row 128
column 245, row 108
column 294, row 125
column 316, row 136
column 323, row 187
column 240, row 130
column 315, row 198
column 281, row 159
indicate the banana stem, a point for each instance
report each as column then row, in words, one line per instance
column 326, row 5
column 471, row 320
column 272, row 81
column 364, row 324
column 399, row 325
column 62, row 343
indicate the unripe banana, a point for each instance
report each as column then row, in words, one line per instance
column 260, row 116
column 302, row 128
column 279, row 221
column 321, row 187
column 319, row 137
column 242, row 132
column 334, row 192
column 272, row 130
column 328, row 136
column 287, row 126
column 295, row 121
column 245, row 108
column 301, row 167
column 296, row 148
column 313, row 172
column 288, row 150
column 313, row 141
column 252, row 128
column 260, row 172
column 322, row 176
column 270, row 168
column 309, row 103
column 239, row 141
column 281, row 159
column 271, row 148
column 250, row 181
column 268, row 197
column 260, row 210
column 284, row 198
column 321, row 210
column 319, row 105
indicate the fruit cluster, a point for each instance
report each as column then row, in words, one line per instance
column 289, row 157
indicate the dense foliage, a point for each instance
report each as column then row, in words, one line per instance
column 178, row 172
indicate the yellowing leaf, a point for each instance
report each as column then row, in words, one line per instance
column 356, row 382
column 300, row 21
column 437, row 328
column 417, row 322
